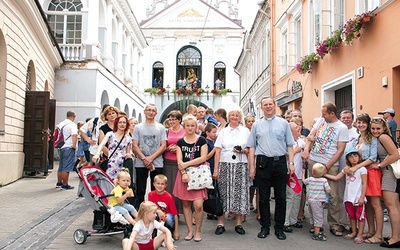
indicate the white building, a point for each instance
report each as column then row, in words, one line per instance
column 191, row 36
column 28, row 59
column 104, row 48
column 254, row 62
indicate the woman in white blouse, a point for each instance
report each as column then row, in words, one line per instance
column 232, row 171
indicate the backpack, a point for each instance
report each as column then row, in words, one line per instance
column 58, row 137
column 95, row 123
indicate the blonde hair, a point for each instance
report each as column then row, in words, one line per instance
column 189, row 117
column 236, row 110
column 121, row 173
column 146, row 207
column 160, row 177
column 318, row 170
column 79, row 124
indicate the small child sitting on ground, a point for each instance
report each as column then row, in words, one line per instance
column 121, row 192
column 140, row 238
column 166, row 211
column 317, row 188
column 354, row 194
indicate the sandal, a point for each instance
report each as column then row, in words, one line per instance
column 319, row 237
column 367, row 235
column 312, row 230
column 336, row 232
column 373, row 240
column 349, row 237
column 358, row 240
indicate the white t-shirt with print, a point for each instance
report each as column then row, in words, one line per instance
column 353, row 190
column 326, row 140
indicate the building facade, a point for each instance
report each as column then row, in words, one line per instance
column 357, row 69
column 192, row 45
column 28, row 60
column 103, row 47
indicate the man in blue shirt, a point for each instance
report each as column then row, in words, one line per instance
column 270, row 143
column 388, row 115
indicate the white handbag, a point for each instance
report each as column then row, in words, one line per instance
column 200, row 177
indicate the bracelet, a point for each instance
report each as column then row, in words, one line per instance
column 183, row 172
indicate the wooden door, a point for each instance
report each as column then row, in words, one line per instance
column 343, row 99
column 37, row 107
column 52, row 125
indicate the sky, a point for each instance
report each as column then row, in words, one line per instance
column 247, row 10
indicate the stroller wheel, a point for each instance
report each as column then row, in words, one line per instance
column 80, row 236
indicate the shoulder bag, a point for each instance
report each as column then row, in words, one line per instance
column 214, row 204
column 395, row 165
column 199, row 176
column 104, row 163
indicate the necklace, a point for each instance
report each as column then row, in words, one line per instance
column 176, row 130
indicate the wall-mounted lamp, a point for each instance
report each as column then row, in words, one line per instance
column 316, row 92
column 168, row 88
column 207, row 91
column 385, row 81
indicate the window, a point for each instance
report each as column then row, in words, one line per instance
column 368, row 5
column 283, row 62
column 219, row 75
column 188, row 72
column 65, row 19
column 317, row 22
column 158, row 75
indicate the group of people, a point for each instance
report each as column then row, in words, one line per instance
column 247, row 155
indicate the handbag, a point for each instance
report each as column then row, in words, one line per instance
column 214, row 204
column 395, row 165
column 199, row 176
column 104, row 163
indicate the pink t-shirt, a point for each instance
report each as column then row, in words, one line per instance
column 172, row 139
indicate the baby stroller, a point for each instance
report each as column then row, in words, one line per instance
column 95, row 187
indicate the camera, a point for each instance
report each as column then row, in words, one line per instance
column 238, row 148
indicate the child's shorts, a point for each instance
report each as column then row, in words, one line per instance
column 147, row 246
column 355, row 212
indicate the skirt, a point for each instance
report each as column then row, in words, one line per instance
column 170, row 170
column 374, row 182
column 389, row 181
column 234, row 189
column 181, row 192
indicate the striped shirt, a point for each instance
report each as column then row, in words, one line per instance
column 317, row 188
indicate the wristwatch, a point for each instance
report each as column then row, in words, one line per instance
column 291, row 163
column 379, row 165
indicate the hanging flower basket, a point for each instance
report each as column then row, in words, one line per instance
column 155, row 91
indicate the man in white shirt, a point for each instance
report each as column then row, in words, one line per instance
column 93, row 126
column 67, row 151
column 328, row 146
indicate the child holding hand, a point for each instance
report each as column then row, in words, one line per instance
column 317, row 188
column 354, row 194
column 122, row 191
column 140, row 238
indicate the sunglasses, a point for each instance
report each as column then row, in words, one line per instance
column 362, row 115
column 377, row 119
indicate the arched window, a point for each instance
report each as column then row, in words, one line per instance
column 30, row 84
column 65, row 19
column 188, row 72
column 219, row 75
column 158, row 75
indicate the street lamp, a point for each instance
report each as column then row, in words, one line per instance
column 207, row 90
column 168, row 88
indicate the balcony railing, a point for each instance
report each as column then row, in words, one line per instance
column 71, row 52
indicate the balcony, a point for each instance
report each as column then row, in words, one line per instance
column 71, row 52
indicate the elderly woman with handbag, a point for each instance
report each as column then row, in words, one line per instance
column 191, row 151
column 232, row 171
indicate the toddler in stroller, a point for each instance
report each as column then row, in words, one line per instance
column 96, row 186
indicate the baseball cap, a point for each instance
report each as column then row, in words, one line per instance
column 293, row 183
column 388, row 110
column 351, row 150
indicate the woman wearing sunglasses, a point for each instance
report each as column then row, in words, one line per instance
column 388, row 154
